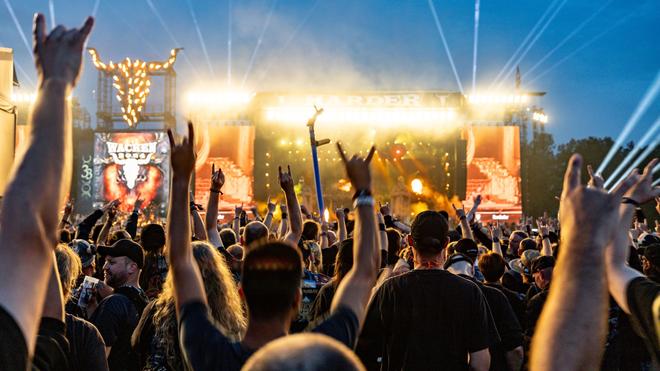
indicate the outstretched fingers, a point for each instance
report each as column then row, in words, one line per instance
column 623, row 187
column 572, row 175
column 341, row 153
column 371, row 154
column 39, row 32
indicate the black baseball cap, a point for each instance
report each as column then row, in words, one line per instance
column 124, row 247
column 429, row 231
column 455, row 258
column 468, row 248
column 542, row 262
column 652, row 254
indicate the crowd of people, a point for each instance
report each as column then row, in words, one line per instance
column 580, row 291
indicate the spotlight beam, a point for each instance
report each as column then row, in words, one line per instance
column 51, row 10
column 531, row 43
column 259, row 41
column 567, row 38
column 289, row 41
column 642, row 142
column 646, row 101
column 18, row 27
column 524, row 42
column 25, row 74
column 169, row 33
column 200, row 37
column 581, row 47
column 438, row 26
column 475, row 45
column 647, row 152
column 95, row 10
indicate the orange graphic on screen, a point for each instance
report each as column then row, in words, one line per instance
column 130, row 166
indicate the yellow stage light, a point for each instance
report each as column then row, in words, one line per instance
column 417, row 186
column 326, row 215
column 352, row 116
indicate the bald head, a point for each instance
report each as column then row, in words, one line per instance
column 304, row 352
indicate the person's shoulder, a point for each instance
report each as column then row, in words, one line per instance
column 81, row 325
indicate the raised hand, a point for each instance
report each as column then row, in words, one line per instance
column 644, row 191
column 138, row 204
column 588, row 211
column 339, row 213
column 385, row 209
column 543, row 228
column 460, row 212
column 595, row 180
column 305, row 212
column 495, row 232
column 111, row 205
column 217, row 178
column 283, row 208
column 68, row 208
column 271, row 206
column 357, row 169
column 285, row 179
column 58, row 55
column 183, row 155
column 238, row 210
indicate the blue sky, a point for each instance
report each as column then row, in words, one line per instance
column 372, row 45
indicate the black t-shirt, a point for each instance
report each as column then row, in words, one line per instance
column 507, row 325
column 644, row 301
column 321, row 306
column 206, row 348
column 311, row 285
column 13, row 348
column 53, row 350
column 87, row 346
column 116, row 318
column 329, row 255
column 534, row 308
column 426, row 320
column 516, row 300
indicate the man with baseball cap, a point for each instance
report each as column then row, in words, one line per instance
column 541, row 269
column 427, row 318
column 118, row 313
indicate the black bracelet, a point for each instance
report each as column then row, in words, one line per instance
column 381, row 226
column 284, row 215
column 628, row 200
column 216, row 191
column 545, row 236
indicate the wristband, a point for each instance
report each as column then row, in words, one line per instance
column 545, row 236
column 216, row 191
column 628, row 200
column 497, row 241
column 361, row 193
column 324, row 234
column 381, row 226
column 364, row 200
column 462, row 217
column 285, row 215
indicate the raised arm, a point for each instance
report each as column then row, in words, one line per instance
column 546, row 245
column 354, row 290
column 284, row 225
column 588, row 216
column 236, row 222
column 131, row 225
column 271, row 210
column 187, row 280
column 619, row 274
column 341, row 224
column 293, row 207
column 495, row 235
column 65, row 216
column 466, row 231
column 35, row 194
column 102, row 238
column 199, row 230
column 217, row 181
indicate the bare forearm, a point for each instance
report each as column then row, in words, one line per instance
column 341, row 224
column 295, row 216
column 466, row 231
column 284, row 227
column 269, row 220
column 497, row 248
column 212, row 220
column 47, row 158
column 546, row 248
column 105, row 231
column 200, row 230
column 619, row 274
column 515, row 358
column 569, row 315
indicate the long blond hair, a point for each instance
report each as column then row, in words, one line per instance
column 222, row 297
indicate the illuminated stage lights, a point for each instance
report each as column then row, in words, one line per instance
column 388, row 116
column 491, row 99
column 417, row 186
column 222, row 99
column 540, row 117
column 131, row 80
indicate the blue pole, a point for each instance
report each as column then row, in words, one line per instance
column 317, row 173
column 315, row 160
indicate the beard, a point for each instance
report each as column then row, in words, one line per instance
column 114, row 280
